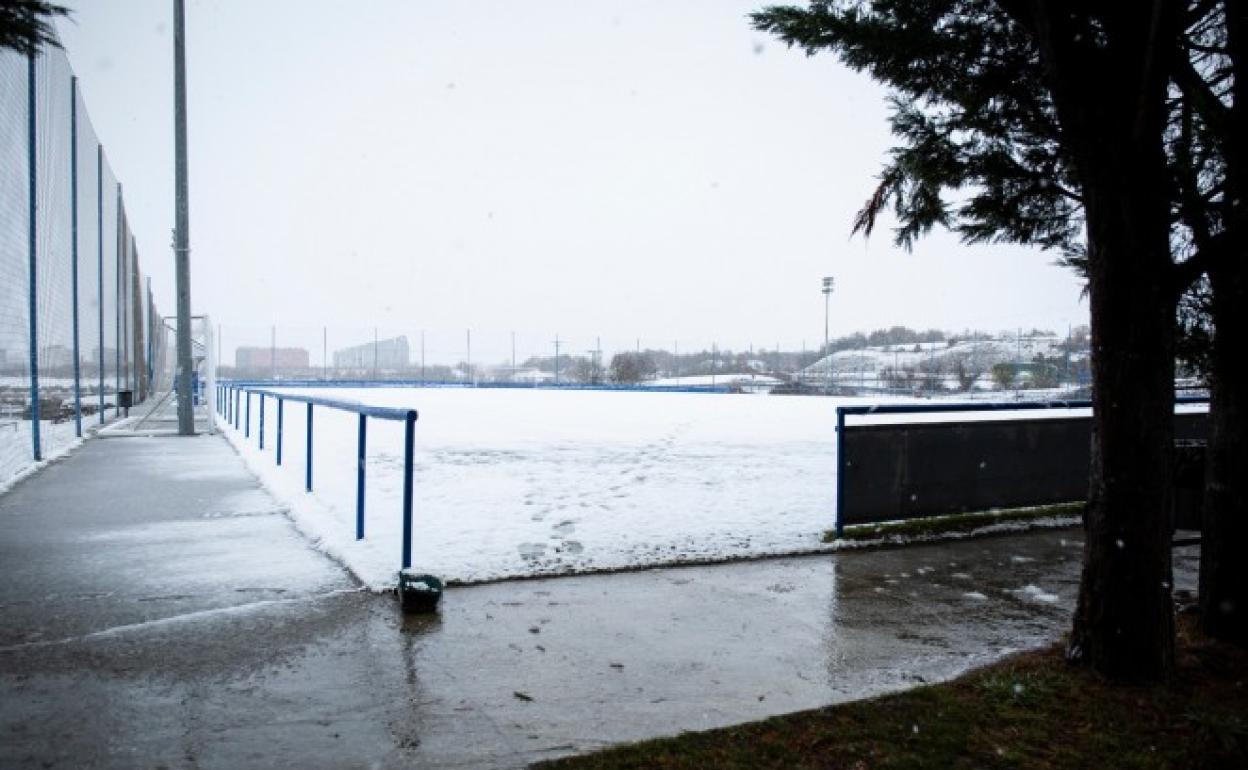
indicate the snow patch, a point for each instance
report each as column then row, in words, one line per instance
column 1036, row 593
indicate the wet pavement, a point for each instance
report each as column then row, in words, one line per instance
column 161, row 611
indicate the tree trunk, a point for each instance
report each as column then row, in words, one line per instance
column 1224, row 532
column 1107, row 69
column 1124, row 623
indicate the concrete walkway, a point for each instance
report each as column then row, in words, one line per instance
column 161, row 611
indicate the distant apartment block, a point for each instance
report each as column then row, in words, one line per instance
column 271, row 358
column 108, row 358
column 56, row 357
column 392, row 353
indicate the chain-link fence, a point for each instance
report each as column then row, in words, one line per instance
column 76, row 316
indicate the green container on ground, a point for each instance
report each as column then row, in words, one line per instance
column 419, row 593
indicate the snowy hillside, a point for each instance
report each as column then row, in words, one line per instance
column 946, row 360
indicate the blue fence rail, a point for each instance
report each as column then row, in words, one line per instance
column 234, row 406
column 992, row 406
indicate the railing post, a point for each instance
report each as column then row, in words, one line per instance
column 840, row 470
column 261, row 421
column 280, row 403
column 409, row 441
column 237, row 396
column 308, row 475
column 361, row 464
column 247, row 417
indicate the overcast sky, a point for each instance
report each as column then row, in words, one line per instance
column 653, row 170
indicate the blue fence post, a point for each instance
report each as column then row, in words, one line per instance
column 409, row 441
column 247, row 417
column 99, row 257
column 237, row 396
column 840, row 468
column 361, row 464
column 279, row 430
column 262, row 421
column 118, row 306
column 73, row 262
column 34, row 339
column 308, row 476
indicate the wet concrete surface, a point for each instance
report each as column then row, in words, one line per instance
column 160, row 611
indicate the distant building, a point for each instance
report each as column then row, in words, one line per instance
column 56, row 357
column 533, row 376
column 271, row 358
column 382, row 354
column 108, row 359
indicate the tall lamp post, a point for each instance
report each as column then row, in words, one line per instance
column 827, row 365
column 182, row 240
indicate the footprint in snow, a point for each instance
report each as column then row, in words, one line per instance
column 531, row 551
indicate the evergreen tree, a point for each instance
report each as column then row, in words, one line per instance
column 26, row 25
column 1212, row 184
column 1052, row 120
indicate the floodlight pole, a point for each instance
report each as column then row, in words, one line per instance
column 182, row 241
column 556, row 358
column 827, row 357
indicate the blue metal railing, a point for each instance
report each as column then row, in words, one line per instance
column 234, row 403
column 964, row 406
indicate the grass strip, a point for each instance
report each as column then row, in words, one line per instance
column 960, row 523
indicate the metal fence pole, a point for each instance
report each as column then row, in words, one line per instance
column 279, row 430
column 361, row 464
column 247, row 417
column 151, row 337
column 73, row 219
column 34, row 339
column 119, row 262
column 99, row 255
column 261, row 421
column 409, row 441
column 308, row 475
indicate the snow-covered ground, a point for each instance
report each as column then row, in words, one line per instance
column 523, row 482
column 721, row 380
column 16, row 450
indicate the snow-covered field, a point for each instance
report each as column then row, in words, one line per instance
column 523, row 482
column 520, row 482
